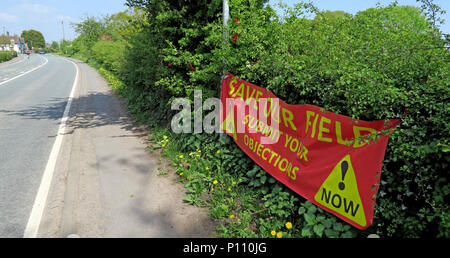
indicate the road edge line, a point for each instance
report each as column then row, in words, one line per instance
column 34, row 69
column 34, row 221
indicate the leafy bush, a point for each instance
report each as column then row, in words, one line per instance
column 372, row 66
column 7, row 55
column 385, row 62
column 110, row 54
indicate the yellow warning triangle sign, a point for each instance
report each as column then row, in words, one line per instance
column 339, row 192
column 228, row 125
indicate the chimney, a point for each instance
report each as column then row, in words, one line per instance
column 7, row 33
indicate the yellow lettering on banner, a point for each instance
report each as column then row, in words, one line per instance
column 309, row 114
column 339, row 134
column 296, row 146
column 322, row 130
column 267, row 110
column 313, row 133
column 234, row 81
column 357, row 132
column 275, row 112
column 264, row 151
column 240, row 92
column 302, row 153
column 249, row 98
column 336, row 135
column 282, row 164
column 262, row 127
column 248, row 94
column 339, row 192
column 228, row 125
column 288, row 116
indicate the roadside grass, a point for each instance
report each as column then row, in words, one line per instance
column 242, row 212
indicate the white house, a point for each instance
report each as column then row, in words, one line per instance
column 17, row 44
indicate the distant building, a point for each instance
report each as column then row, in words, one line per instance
column 17, row 43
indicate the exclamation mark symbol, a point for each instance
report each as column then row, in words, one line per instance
column 344, row 168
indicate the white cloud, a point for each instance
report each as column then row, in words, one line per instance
column 8, row 18
column 67, row 18
column 37, row 8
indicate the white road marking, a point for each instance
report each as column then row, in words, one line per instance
column 34, row 221
column 20, row 75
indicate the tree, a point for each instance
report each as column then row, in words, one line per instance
column 332, row 15
column 33, row 38
column 4, row 41
column 432, row 11
column 90, row 30
column 55, row 46
column 124, row 25
column 67, row 47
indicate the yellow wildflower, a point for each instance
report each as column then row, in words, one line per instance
column 232, row 216
column 181, row 173
column 288, row 225
column 207, row 168
column 199, row 151
column 229, row 189
column 163, row 145
column 218, row 152
column 181, row 156
column 190, row 154
column 233, row 183
column 279, row 235
column 273, row 233
column 197, row 155
column 165, row 137
column 215, row 182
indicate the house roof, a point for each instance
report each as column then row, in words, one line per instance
column 16, row 38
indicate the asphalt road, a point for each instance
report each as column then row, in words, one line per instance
column 89, row 174
column 31, row 107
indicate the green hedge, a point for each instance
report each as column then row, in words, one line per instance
column 385, row 62
column 7, row 55
column 381, row 63
column 375, row 65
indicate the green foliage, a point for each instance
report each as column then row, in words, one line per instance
column 7, row 55
column 372, row 66
column 89, row 30
column 384, row 62
column 4, row 40
column 33, row 38
column 110, row 54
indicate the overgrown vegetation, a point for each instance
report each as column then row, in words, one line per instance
column 33, row 38
column 384, row 62
column 7, row 55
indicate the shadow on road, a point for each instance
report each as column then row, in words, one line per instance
column 93, row 110
column 158, row 203
column 53, row 110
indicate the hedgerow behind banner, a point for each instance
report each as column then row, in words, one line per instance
column 331, row 160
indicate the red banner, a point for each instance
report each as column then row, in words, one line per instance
column 332, row 160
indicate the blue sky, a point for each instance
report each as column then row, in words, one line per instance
column 46, row 15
